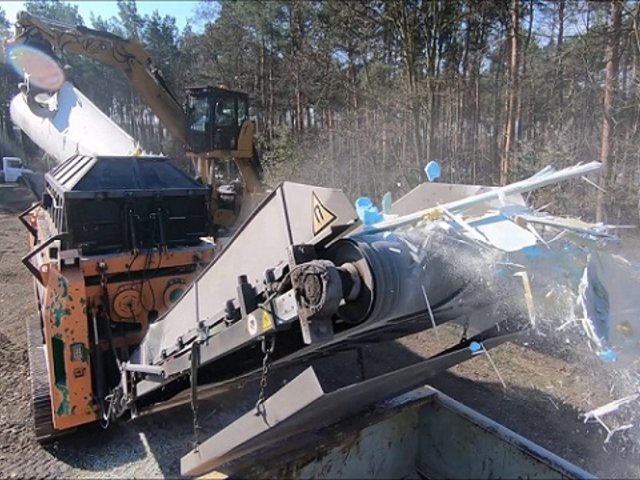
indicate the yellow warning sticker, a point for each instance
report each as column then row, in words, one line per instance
column 267, row 323
column 322, row 216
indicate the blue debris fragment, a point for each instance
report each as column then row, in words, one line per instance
column 608, row 356
column 433, row 171
column 367, row 212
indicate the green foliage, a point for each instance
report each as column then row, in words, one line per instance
column 279, row 160
column 129, row 19
column 54, row 10
column 4, row 24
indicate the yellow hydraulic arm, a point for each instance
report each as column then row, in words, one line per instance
column 133, row 60
column 127, row 55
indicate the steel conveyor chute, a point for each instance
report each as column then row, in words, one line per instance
column 302, row 268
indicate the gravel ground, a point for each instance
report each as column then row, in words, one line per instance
column 549, row 384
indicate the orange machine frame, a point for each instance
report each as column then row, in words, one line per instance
column 67, row 302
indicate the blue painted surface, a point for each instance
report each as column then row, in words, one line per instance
column 367, row 212
column 433, row 171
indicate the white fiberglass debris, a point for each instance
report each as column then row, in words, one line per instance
column 545, row 171
column 571, row 321
column 478, row 348
column 594, row 184
column 387, row 202
column 597, row 413
column 511, row 264
column 433, row 320
column 562, row 234
column 610, row 407
column 502, row 199
column 572, row 224
column 528, row 296
column 503, row 234
column 611, row 431
column 553, row 403
column 537, row 235
column 472, row 232
column 541, row 179
column 543, row 207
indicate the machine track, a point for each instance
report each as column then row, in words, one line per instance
column 40, row 396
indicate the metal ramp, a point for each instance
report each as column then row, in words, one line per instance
column 303, row 405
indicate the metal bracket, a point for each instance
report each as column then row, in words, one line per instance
column 318, row 291
column 246, row 296
column 302, row 253
column 24, row 221
column 26, row 260
column 144, row 369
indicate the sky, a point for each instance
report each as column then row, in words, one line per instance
column 183, row 10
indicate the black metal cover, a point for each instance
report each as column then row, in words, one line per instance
column 114, row 204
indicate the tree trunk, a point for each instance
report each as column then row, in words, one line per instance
column 525, row 50
column 512, row 100
column 607, row 107
column 270, row 109
column 263, row 97
column 560, row 85
column 299, row 107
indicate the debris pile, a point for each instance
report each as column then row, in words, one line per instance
column 560, row 274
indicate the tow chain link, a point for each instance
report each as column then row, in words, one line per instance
column 117, row 406
column 268, row 346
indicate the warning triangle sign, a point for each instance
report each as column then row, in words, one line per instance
column 322, row 216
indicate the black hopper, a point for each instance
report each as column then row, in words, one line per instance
column 117, row 204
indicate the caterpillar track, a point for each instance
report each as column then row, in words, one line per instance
column 40, row 398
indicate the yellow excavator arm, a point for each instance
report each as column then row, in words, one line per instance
column 126, row 55
column 215, row 126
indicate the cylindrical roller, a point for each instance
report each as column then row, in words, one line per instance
column 401, row 278
column 382, row 266
column 346, row 255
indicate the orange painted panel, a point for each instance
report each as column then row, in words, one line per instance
column 68, row 349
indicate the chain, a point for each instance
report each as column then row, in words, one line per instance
column 106, row 416
column 117, row 406
column 268, row 346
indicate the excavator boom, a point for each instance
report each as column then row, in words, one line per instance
column 126, row 55
column 214, row 126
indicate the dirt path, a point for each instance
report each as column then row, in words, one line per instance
column 547, row 388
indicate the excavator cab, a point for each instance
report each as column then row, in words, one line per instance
column 219, row 133
column 215, row 117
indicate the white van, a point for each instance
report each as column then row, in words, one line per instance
column 12, row 170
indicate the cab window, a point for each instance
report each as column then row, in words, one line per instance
column 199, row 114
column 199, row 118
column 225, row 112
column 243, row 111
